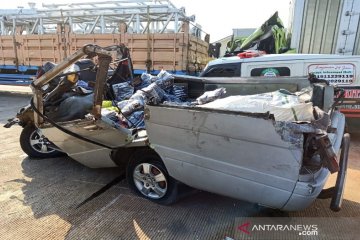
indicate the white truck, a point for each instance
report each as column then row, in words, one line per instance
column 339, row 70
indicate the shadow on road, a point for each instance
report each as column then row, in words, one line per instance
column 58, row 185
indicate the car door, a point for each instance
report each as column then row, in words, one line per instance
column 89, row 140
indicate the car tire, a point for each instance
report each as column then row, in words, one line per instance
column 35, row 145
column 147, row 177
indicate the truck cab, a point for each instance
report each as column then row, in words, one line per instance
column 339, row 70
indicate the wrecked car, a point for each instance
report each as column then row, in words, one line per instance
column 269, row 141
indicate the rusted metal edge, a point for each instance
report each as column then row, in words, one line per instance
column 265, row 116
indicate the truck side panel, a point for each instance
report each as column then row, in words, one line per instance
column 178, row 52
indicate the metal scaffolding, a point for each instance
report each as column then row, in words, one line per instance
column 141, row 16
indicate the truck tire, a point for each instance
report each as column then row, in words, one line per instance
column 35, row 145
column 147, row 177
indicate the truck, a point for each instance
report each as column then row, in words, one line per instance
column 218, row 137
column 325, row 27
column 339, row 70
column 158, row 35
column 315, row 27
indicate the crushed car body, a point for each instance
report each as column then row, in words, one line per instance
column 268, row 141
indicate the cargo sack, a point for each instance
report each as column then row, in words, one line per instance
column 110, row 117
column 165, row 81
column 127, row 107
column 153, row 94
column 210, row 96
column 136, row 120
column 180, row 92
column 122, row 91
column 284, row 106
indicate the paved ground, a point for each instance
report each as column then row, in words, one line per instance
column 39, row 199
column 4, row 89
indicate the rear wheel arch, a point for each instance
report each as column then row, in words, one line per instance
column 122, row 156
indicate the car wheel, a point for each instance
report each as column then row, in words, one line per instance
column 148, row 177
column 35, row 144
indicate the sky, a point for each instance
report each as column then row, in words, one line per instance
column 217, row 18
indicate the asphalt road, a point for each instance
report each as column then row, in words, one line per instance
column 39, row 199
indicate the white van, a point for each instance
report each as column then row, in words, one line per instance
column 340, row 70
